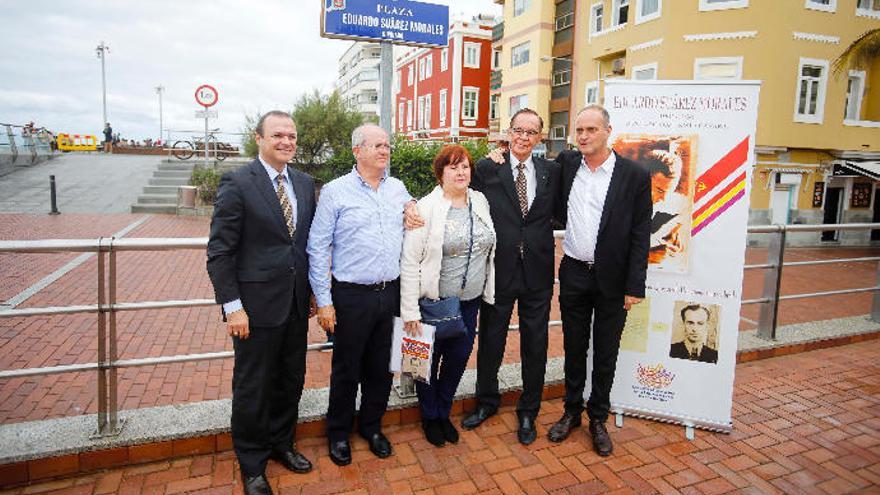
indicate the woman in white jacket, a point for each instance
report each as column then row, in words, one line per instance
column 435, row 260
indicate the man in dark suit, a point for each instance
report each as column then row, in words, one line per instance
column 258, row 265
column 521, row 194
column 695, row 318
column 606, row 204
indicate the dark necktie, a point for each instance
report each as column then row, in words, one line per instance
column 521, row 189
column 286, row 209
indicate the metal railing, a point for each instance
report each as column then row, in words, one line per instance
column 108, row 306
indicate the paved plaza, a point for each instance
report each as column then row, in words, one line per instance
column 806, row 423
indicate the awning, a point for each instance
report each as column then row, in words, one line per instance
column 866, row 169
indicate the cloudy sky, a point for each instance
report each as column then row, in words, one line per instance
column 260, row 55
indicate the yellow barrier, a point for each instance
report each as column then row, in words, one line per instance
column 77, row 142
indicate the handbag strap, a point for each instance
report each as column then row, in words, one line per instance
column 470, row 245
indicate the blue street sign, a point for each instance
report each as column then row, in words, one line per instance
column 400, row 21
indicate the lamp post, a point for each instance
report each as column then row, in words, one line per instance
column 102, row 50
column 159, row 90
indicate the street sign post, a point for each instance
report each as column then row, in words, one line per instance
column 207, row 96
column 390, row 22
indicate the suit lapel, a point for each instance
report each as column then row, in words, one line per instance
column 299, row 190
column 541, row 175
column 617, row 180
column 262, row 183
column 505, row 172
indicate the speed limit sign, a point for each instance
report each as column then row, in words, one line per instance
column 206, row 95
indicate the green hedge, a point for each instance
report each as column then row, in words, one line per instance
column 206, row 180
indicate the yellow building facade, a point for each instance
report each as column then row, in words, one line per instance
column 818, row 139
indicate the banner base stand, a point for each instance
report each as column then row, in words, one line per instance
column 618, row 420
column 689, row 432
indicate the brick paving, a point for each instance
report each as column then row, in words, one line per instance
column 806, row 423
column 69, row 339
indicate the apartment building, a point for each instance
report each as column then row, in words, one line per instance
column 443, row 93
column 359, row 83
column 818, row 141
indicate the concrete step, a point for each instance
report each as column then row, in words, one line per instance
column 169, row 181
column 186, row 174
column 177, row 166
column 172, row 190
column 157, row 199
column 154, row 208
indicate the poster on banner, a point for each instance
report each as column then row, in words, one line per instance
column 678, row 350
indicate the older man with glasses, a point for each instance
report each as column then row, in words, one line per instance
column 521, row 194
column 356, row 239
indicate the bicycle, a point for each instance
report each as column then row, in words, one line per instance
column 185, row 149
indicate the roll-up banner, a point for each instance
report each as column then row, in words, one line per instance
column 678, row 350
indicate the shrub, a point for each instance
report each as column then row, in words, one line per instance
column 206, row 180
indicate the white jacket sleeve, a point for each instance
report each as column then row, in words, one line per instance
column 414, row 243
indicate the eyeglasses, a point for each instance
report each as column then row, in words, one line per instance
column 281, row 137
column 519, row 131
column 379, row 146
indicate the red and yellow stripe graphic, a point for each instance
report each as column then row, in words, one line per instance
column 728, row 195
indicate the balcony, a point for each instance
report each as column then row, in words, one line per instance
column 497, row 32
column 495, row 80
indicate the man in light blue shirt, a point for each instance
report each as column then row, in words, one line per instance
column 356, row 238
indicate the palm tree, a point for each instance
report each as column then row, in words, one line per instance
column 860, row 53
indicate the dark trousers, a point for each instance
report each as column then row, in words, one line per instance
column 447, row 366
column 533, row 307
column 267, row 382
column 361, row 353
column 582, row 303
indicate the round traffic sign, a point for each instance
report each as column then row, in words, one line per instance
column 206, row 95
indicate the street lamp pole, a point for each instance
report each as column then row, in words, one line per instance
column 102, row 50
column 159, row 90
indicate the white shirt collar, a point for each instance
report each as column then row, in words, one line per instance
column 606, row 167
column 514, row 162
column 273, row 174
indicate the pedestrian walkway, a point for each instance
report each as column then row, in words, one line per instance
column 806, row 423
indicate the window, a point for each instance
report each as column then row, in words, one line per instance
column 597, row 13
column 420, row 111
column 520, row 6
column 558, row 132
column 810, row 98
column 855, row 88
column 565, row 21
column 470, row 99
column 647, row 10
column 426, row 115
column 718, row 68
column 397, row 82
column 401, row 115
column 520, row 54
column 443, row 93
column 561, row 77
column 409, row 114
column 496, row 59
column 421, row 69
column 644, row 72
column 723, row 4
column 621, row 11
column 444, row 59
column 429, row 65
column 869, row 8
column 472, row 55
column 493, row 106
column 518, row 102
column 410, row 75
column 823, row 5
column 592, row 92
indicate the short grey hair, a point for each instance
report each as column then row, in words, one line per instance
column 357, row 135
column 273, row 113
column 599, row 108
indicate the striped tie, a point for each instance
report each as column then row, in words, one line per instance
column 286, row 209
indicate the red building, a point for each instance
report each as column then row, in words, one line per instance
column 443, row 93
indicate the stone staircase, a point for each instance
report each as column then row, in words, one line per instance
column 160, row 196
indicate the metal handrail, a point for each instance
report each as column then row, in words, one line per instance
column 107, row 306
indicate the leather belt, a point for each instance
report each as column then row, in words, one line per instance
column 586, row 264
column 377, row 287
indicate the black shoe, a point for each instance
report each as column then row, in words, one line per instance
column 601, row 440
column 256, row 485
column 340, row 453
column 433, row 432
column 477, row 417
column 292, row 460
column 379, row 445
column 449, row 431
column 526, row 433
column 562, row 428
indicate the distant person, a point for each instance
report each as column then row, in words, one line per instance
column 258, row 266
column 695, row 318
column 108, row 138
column 453, row 255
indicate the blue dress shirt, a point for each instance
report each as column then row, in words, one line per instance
column 360, row 229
